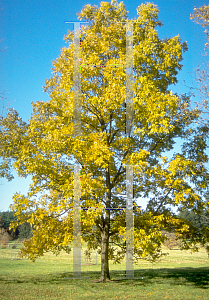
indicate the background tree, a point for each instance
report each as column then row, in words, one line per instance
column 25, row 231
column 22, row 231
column 5, row 165
column 201, row 16
column 198, row 220
column 46, row 148
column 171, row 241
column 199, row 223
column 7, row 217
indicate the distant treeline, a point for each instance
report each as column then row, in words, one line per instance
column 198, row 220
column 23, row 231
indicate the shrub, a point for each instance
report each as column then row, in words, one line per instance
column 3, row 244
column 171, row 241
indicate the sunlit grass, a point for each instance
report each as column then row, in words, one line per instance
column 180, row 275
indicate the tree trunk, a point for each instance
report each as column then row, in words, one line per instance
column 105, row 274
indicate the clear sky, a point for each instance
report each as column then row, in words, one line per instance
column 32, row 34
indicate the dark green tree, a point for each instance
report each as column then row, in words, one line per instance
column 7, row 217
column 200, row 220
column 25, row 231
column 22, row 231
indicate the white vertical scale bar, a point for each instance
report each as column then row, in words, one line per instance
column 76, row 133
column 129, row 78
column 77, row 224
column 129, row 222
column 76, row 82
column 129, row 168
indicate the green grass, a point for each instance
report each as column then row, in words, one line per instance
column 180, row 275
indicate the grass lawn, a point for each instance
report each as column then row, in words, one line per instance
column 180, row 275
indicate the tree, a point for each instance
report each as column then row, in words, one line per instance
column 25, row 231
column 7, row 217
column 46, row 147
column 2, row 94
column 5, row 167
column 201, row 16
column 200, row 224
column 22, row 231
column 198, row 220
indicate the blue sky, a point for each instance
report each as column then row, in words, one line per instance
column 32, row 34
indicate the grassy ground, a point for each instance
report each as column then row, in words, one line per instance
column 180, row 275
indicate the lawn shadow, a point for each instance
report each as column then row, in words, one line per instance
column 198, row 277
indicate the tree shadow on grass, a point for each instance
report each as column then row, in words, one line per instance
column 198, row 277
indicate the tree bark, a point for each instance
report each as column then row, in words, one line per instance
column 105, row 273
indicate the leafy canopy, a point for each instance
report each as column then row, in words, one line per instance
column 46, row 149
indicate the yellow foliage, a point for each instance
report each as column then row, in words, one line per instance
column 47, row 149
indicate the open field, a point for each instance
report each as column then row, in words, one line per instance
column 180, row 275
